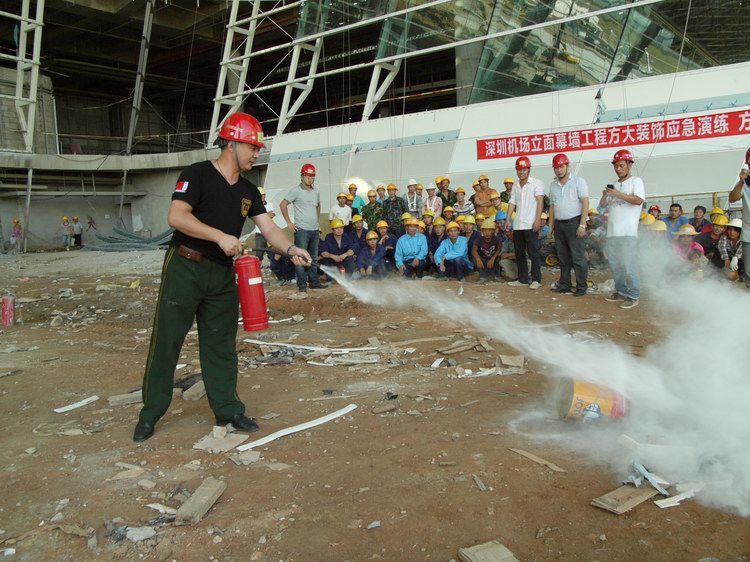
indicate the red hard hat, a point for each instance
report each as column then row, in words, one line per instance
column 242, row 127
column 624, row 154
column 560, row 160
column 747, row 157
column 523, row 162
column 308, row 170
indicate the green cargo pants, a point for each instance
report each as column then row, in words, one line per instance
column 205, row 291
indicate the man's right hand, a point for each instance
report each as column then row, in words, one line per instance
column 401, row 270
column 293, row 227
column 230, row 245
column 744, row 174
column 480, row 264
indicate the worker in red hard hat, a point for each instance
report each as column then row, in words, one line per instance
column 527, row 201
column 210, row 204
column 305, row 201
column 741, row 192
column 624, row 199
column 568, row 212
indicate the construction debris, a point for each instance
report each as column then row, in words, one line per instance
column 479, row 483
column 492, row 551
column 76, row 405
column 219, row 441
column 623, row 499
column 384, row 408
column 538, row 460
column 246, row 458
column 195, row 392
column 193, row 510
column 297, row 428
column 512, row 360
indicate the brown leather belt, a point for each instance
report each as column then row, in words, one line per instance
column 192, row 255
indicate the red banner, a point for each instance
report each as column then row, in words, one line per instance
column 668, row 130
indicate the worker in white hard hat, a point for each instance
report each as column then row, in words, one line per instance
column 414, row 203
column 731, row 250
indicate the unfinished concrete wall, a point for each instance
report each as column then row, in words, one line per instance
column 10, row 127
column 46, row 217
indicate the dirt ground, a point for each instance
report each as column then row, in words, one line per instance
column 312, row 495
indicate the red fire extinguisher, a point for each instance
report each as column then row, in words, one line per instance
column 252, row 297
column 9, row 309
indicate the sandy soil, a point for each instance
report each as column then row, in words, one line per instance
column 312, row 495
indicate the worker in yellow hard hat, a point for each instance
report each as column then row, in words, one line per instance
column 505, row 195
column 715, row 212
column 77, row 228
column 372, row 212
column 388, row 242
column 411, row 251
column 380, row 190
column 470, row 232
column 447, row 195
column 357, row 201
column 433, row 242
column 393, row 209
column 482, row 196
column 341, row 210
column 428, row 217
column 338, row 250
column 67, row 232
column 485, row 253
column 462, row 206
column 371, row 259
column 709, row 241
column 448, row 214
column 16, row 235
column 452, row 256
column 358, row 233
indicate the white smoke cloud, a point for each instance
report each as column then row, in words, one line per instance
column 689, row 393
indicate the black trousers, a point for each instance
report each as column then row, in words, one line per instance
column 571, row 252
column 523, row 241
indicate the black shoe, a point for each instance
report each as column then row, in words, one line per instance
column 319, row 286
column 240, row 422
column 560, row 290
column 579, row 292
column 301, row 289
column 143, row 430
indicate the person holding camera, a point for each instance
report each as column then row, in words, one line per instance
column 625, row 201
column 741, row 190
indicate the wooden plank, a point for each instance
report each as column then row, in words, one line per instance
column 538, row 460
column 201, row 501
column 407, row 343
column 492, row 551
column 457, row 349
column 623, row 499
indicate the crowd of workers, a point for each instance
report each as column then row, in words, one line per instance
column 506, row 235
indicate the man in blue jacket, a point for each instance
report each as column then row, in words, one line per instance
column 371, row 258
column 452, row 256
column 411, row 251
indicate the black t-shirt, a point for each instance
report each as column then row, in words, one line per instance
column 487, row 248
column 216, row 204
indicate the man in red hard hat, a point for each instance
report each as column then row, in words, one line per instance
column 527, row 201
column 210, row 204
column 305, row 201
column 741, row 191
column 624, row 200
column 569, row 204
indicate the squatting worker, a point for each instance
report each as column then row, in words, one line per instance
column 209, row 206
column 624, row 199
column 569, row 201
column 305, row 200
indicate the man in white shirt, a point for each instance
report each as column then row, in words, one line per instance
column 341, row 210
column 527, row 200
column 569, row 203
column 741, row 191
column 625, row 200
column 413, row 200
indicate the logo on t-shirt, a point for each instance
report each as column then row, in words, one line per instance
column 181, row 186
column 246, row 204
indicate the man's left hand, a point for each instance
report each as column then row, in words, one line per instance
column 415, row 262
column 537, row 225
